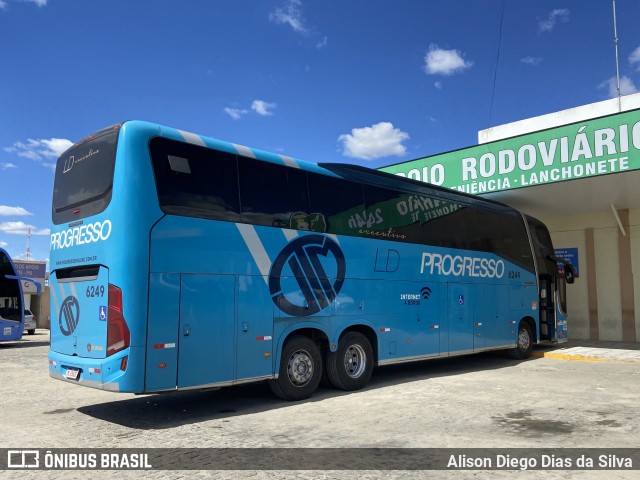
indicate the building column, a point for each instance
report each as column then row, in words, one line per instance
column 626, row 279
column 592, row 288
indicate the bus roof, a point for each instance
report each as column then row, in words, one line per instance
column 351, row 172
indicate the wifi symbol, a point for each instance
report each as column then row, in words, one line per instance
column 426, row 291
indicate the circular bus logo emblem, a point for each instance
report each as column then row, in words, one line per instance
column 69, row 315
column 305, row 261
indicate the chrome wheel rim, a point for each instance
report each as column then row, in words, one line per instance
column 300, row 368
column 523, row 339
column 355, row 361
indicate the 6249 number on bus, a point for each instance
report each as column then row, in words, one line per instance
column 95, row 291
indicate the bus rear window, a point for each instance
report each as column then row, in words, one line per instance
column 84, row 177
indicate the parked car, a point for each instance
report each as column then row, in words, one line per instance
column 29, row 322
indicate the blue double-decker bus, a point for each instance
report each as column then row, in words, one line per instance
column 12, row 321
column 181, row 262
column 11, row 301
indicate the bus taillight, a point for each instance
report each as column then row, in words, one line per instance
column 118, row 336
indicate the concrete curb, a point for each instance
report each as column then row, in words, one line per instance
column 591, row 355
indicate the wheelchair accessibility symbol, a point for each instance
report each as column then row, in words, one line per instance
column 103, row 313
column 460, row 299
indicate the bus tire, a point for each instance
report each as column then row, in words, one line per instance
column 300, row 369
column 31, row 331
column 350, row 366
column 524, row 345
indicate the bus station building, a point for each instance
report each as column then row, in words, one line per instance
column 578, row 171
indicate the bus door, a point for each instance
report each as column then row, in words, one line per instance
column 190, row 330
column 553, row 307
column 254, row 352
column 414, row 305
column 207, row 329
column 494, row 329
column 560, row 331
column 462, row 328
column 547, row 308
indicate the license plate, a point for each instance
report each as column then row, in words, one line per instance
column 72, row 373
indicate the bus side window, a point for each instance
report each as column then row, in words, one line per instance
column 203, row 184
column 271, row 194
column 340, row 203
column 392, row 214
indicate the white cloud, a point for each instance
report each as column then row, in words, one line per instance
column 236, row 113
column 13, row 211
column 444, row 62
column 535, row 61
column 40, row 149
column 627, row 87
column 561, row 14
column 3, row 244
column 7, row 166
column 290, row 14
column 39, row 3
column 322, row 43
column 379, row 140
column 262, row 108
column 634, row 58
column 21, row 228
column 438, row 85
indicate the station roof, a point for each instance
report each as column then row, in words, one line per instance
column 574, row 197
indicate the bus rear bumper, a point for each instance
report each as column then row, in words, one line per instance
column 114, row 373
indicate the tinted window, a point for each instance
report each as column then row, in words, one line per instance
column 195, row 181
column 338, row 203
column 10, row 295
column 84, row 177
column 273, row 195
column 391, row 215
column 446, row 223
column 502, row 233
column 542, row 246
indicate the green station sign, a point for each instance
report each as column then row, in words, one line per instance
column 589, row 148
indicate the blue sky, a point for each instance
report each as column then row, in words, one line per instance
column 370, row 82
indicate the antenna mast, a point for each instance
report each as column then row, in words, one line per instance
column 615, row 41
column 28, row 254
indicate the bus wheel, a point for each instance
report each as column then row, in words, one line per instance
column 300, row 369
column 350, row 366
column 525, row 342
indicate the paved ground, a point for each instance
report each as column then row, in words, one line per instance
column 476, row 401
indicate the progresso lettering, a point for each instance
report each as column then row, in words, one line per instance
column 461, row 266
column 90, row 233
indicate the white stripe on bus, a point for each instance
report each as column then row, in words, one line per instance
column 192, row 138
column 244, row 151
column 334, row 236
column 289, row 234
column 290, row 162
column 256, row 248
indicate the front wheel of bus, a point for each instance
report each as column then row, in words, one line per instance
column 524, row 346
column 300, row 369
column 350, row 366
